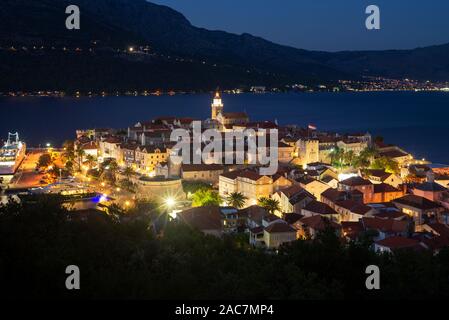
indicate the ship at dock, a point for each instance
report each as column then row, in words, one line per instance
column 12, row 154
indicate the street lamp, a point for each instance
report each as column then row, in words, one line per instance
column 170, row 202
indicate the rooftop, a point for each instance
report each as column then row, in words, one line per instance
column 417, row 202
column 279, row 227
column 319, row 207
column 398, row 243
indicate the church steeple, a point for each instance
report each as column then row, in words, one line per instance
column 217, row 105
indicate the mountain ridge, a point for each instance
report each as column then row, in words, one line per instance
column 122, row 23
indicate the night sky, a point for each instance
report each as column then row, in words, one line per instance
column 330, row 25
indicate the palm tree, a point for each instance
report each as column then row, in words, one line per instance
column 271, row 205
column 236, row 200
column 337, row 155
column 128, row 172
column 90, row 160
column 113, row 168
column 349, row 157
column 366, row 157
column 80, row 153
column 69, row 152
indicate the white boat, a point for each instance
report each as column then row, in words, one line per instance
column 12, row 154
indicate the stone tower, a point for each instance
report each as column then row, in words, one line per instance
column 217, row 105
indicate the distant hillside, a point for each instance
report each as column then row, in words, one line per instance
column 184, row 56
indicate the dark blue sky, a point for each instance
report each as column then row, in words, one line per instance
column 329, row 25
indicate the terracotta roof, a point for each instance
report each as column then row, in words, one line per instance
column 279, row 227
column 354, row 206
column 114, row 140
column 306, row 180
column 435, row 243
column 398, row 243
column 382, row 174
column 319, row 207
column 186, row 120
column 251, row 175
column 440, row 229
column 417, row 202
column 430, row 187
column 231, row 174
column 333, row 194
column 356, row 181
column 235, row 115
column 90, row 146
column 383, row 188
column 201, row 167
column 262, row 125
column 319, row 223
column 292, row 217
column 291, row 191
column 255, row 213
column 385, row 225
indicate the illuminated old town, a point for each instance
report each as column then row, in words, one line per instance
column 217, row 159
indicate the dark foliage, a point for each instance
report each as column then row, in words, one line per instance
column 126, row 260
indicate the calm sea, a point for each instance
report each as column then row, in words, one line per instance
column 419, row 122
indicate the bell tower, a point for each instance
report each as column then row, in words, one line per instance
column 217, row 105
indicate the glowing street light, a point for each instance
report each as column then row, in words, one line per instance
column 170, row 202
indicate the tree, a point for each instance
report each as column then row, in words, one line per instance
column 206, row 197
column 236, row 200
column 386, row 164
column 337, row 157
column 271, row 205
column 108, row 170
column 44, row 160
column 128, row 172
column 366, row 157
column 90, row 161
column 349, row 157
column 190, row 187
column 80, row 154
column 69, row 166
column 69, row 150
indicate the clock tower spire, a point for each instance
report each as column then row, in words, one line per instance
column 217, row 105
